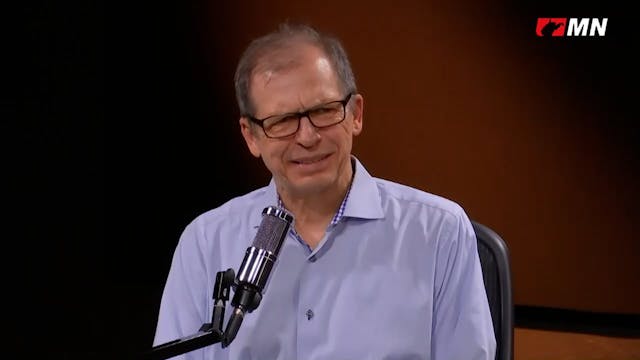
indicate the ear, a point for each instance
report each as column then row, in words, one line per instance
column 357, row 109
column 249, row 136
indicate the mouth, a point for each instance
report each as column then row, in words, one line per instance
column 310, row 160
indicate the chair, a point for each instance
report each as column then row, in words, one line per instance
column 496, row 270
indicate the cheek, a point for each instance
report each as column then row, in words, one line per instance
column 273, row 156
column 345, row 138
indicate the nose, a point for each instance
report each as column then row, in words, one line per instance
column 307, row 134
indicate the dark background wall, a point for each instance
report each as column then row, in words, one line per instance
column 122, row 128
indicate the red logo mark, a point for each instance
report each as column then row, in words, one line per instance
column 551, row 26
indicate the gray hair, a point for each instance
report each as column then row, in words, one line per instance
column 285, row 36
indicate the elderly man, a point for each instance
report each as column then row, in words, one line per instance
column 370, row 269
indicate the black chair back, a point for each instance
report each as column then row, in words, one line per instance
column 496, row 271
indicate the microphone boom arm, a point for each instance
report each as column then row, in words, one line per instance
column 209, row 333
column 251, row 280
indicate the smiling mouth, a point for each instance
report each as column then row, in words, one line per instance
column 310, row 161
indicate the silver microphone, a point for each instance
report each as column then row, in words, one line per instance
column 256, row 266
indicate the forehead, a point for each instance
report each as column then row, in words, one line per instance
column 292, row 78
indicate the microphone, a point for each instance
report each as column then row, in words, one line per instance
column 256, row 267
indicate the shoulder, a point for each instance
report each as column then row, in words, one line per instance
column 436, row 215
column 409, row 197
column 232, row 217
column 237, row 207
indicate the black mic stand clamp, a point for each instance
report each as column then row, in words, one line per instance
column 209, row 333
column 245, row 301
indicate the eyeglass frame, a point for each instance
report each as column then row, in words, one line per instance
column 302, row 114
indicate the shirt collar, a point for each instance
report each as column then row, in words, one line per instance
column 338, row 215
column 365, row 201
column 362, row 201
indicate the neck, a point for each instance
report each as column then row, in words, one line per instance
column 317, row 208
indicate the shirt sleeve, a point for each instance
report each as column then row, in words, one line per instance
column 183, row 304
column 462, row 326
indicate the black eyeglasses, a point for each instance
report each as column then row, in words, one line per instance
column 321, row 116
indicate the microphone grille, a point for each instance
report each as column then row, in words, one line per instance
column 273, row 229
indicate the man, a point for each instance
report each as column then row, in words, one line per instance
column 370, row 269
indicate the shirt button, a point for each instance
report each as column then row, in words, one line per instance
column 309, row 314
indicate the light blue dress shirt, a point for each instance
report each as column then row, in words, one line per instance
column 398, row 277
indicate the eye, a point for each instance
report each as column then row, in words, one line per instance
column 288, row 118
column 325, row 110
column 280, row 120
